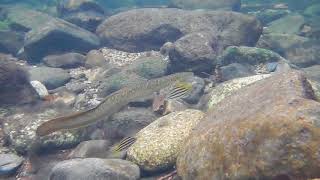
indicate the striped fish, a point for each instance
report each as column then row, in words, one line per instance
column 124, row 144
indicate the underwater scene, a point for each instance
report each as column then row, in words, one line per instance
column 160, row 89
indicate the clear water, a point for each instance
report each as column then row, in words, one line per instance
column 75, row 84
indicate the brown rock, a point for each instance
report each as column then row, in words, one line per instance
column 268, row 129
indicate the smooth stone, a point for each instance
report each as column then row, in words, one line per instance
column 68, row 60
column 95, row 169
column 9, row 163
column 51, row 77
column 40, row 88
column 158, row 145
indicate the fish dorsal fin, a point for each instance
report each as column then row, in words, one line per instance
column 124, row 144
column 179, row 90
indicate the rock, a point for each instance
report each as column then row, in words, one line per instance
column 128, row 122
column 9, row 163
column 116, row 82
column 280, row 43
column 68, row 60
column 40, row 88
column 26, row 19
column 198, row 85
column 50, row 77
column 266, row 130
column 304, row 54
column 313, row 10
column 236, row 70
column 227, row 88
column 207, row 4
column 51, row 34
column 150, row 28
column 158, row 144
column 84, row 13
column 20, row 129
column 95, row 169
column 95, row 58
column 15, row 84
column 313, row 72
column 148, row 67
column 10, row 42
column 249, row 55
column 194, row 52
column 91, row 149
column 269, row 15
column 295, row 22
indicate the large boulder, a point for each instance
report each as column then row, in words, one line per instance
column 95, row 169
column 269, row 129
column 158, row 144
column 207, row 4
column 148, row 29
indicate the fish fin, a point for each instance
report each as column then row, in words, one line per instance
column 55, row 124
column 124, row 144
column 179, row 90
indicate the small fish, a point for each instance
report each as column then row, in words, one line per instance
column 112, row 104
column 124, row 144
column 178, row 91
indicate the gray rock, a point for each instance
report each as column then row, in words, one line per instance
column 294, row 21
column 148, row 67
column 9, row 163
column 21, row 126
column 249, row 55
column 207, row 4
column 15, row 83
column 51, row 77
column 116, row 82
column 148, row 29
column 68, row 60
column 10, row 42
column 58, row 36
column 304, row 54
column 269, row 15
column 87, row 14
column 95, row 58
column 313, row 72
column 236, row 70
column 280, row 43
column 95, row 169
column 91, row 149
column 128, row 122
column 194, row 52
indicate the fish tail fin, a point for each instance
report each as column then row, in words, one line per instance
column 56, row 124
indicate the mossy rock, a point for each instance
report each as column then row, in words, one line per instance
column 313, row 10
column 149, row 67
column 158, row 144
column 248, row 55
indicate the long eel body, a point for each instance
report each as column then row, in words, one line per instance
column 110, row 105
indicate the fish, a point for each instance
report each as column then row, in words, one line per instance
column 178, row 91
column 124, row 144
column 112, row 104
